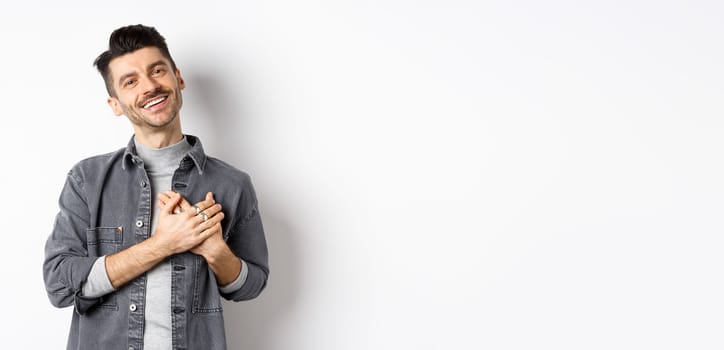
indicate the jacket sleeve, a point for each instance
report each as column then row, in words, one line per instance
column 66, row 265
column 246, row 239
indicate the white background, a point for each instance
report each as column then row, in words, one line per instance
column 432, row 174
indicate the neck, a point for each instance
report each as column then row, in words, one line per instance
column 158, row 138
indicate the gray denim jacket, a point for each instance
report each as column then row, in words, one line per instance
column 105, row 207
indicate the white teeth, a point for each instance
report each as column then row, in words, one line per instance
column 153, row 102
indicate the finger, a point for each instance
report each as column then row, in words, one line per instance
column 213, row 230
column 172, row 203
column 212, row 210
column 185, row 207
column 205, row 224
column 163, row 197
column 204, row 204
column 210, row 231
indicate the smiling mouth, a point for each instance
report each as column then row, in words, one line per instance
column 154, row 101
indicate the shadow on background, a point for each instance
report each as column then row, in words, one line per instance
column 250, row 324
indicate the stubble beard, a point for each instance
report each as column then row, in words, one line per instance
column 137, row 117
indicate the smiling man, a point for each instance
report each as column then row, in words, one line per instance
column 142, row 266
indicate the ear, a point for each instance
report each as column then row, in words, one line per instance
column 181, row 82
column 115, row 106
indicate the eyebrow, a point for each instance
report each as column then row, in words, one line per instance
column 154, row 64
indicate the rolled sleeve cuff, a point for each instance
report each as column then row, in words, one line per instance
column 98, row 284
column 238, row 282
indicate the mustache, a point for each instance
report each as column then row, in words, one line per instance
column 154, row 94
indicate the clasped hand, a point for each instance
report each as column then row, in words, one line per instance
column 182, row 227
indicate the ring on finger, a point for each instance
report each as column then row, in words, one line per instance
column 198, row 210
column 203, row 215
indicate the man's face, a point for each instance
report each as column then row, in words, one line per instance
column 147, row 90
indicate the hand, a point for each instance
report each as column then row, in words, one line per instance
column 185, row 230
column 214, row 239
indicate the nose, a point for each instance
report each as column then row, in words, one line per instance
column 149, row 85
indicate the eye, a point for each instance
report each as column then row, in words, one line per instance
column 129, row 82
column 158, row 71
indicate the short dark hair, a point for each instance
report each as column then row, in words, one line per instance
column 128, row 39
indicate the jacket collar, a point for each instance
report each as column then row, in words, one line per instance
column 196, row 156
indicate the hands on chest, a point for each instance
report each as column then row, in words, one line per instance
column 185, row 227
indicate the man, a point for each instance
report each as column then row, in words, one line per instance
column 141, row 273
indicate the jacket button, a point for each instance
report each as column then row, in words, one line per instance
column 143, row 183
column 132, row 307
column 139, row 223
column 178, row 310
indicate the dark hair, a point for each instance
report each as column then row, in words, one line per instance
column 128, row 39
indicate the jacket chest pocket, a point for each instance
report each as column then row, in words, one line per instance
column 104, row 240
